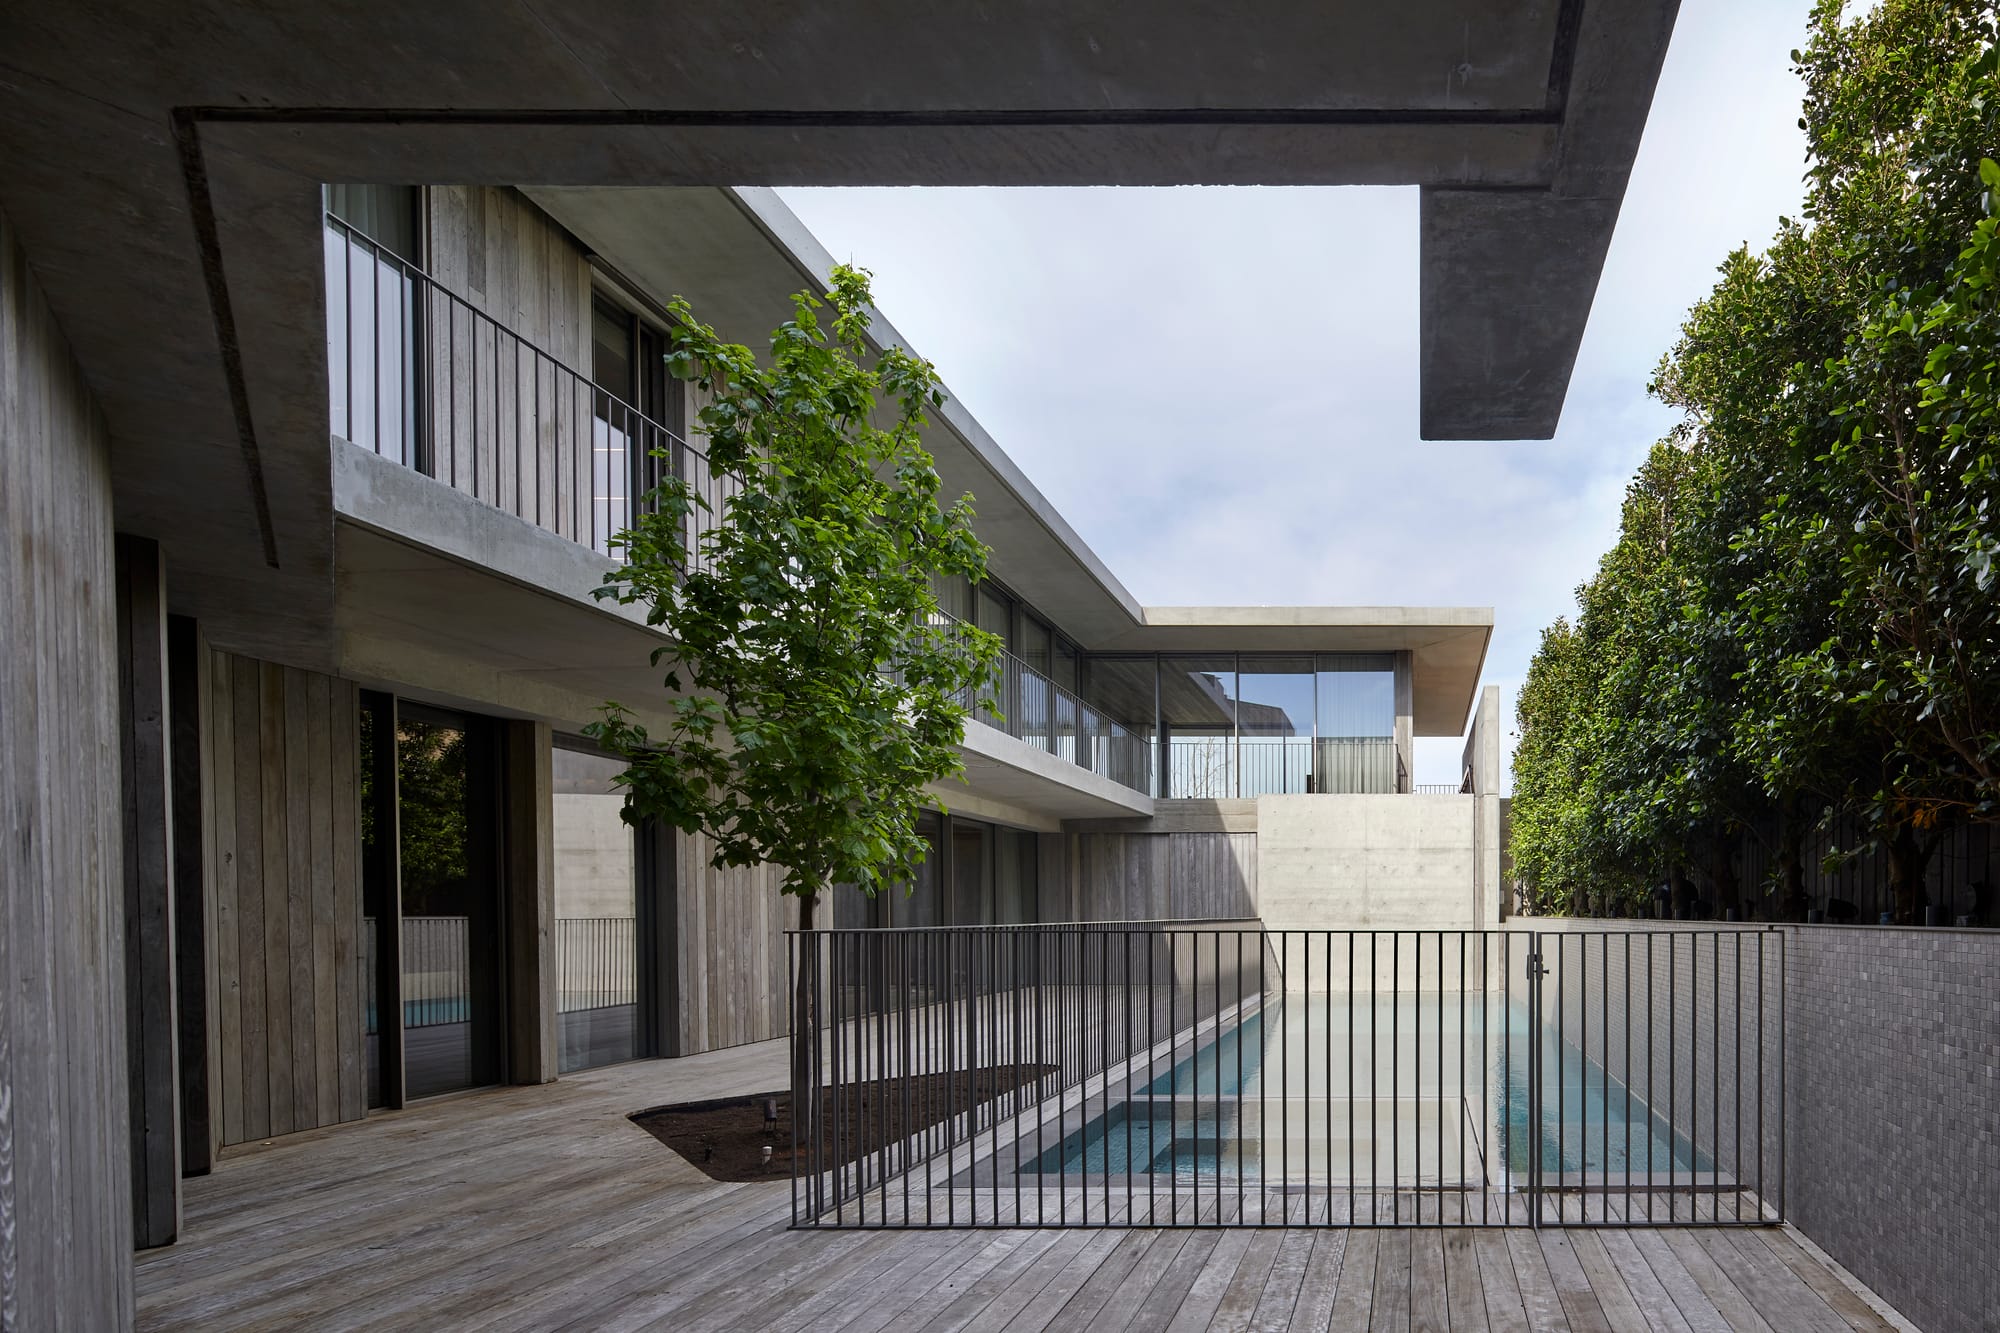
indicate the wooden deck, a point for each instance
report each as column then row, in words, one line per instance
column 544, row 1208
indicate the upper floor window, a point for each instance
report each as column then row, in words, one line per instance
column 373, row 316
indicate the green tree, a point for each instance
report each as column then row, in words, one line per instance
column 1821, row 635
column 814, row 688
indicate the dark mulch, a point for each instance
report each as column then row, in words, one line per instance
column 726, row 1137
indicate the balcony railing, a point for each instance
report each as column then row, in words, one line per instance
column 418, row 374
column 1212, row 767
column 1028, row 706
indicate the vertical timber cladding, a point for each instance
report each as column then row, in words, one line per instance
column 731, row 936
column 65, row 1204
column 1189, row 876
column 285, row 874
column 518, row 267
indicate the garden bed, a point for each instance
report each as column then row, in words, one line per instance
column 725, row 1138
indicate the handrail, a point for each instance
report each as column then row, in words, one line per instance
column 517, row 427
column 418, row 373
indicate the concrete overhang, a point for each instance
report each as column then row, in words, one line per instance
column 1013, row 773
column 1447, row 645
column 442, row 596
column 162, row 167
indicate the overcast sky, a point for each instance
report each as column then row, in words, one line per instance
column 1218, row 387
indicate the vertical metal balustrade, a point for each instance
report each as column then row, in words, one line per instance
column 1220, row 1075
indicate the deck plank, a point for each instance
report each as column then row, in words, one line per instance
column 1429, row 1310
column 1539, row 1297
column 1156, row 1308
column 1777, row 1293
column 1465, row 1303
column 1687, row 1295
column 1391, row 1312
column 1840, row 1298
column 1614, row 1297
column 1321, row 1282
column 1205, row 1293
column 1246, row 1288
column 1498, row 1287
column 1353, row 1300
column 1735, row 1309
column 1580, row 1304
column 532, row 1208
column 1656, row 1306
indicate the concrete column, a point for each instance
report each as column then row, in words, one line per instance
column 1406, row 707
column 1483, row 757
column 531, row 902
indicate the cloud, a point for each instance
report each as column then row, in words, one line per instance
column 1218, row 387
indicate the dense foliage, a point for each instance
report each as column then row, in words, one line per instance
column 814, row 689
column 1799, row 629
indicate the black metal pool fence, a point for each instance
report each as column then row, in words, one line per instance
column 1220, row 1074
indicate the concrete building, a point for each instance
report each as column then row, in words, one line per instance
column 308, row 479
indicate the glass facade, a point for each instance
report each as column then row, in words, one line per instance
column 1198, row 726
column 1253, row 724
column 1195, row 726
column 596, row 900
column 1274, row 749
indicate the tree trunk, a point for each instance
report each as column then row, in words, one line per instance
column 805, row 1026
column 1728, row 893
column 1678, row 895
column 1909, row 857
column 1791, row 866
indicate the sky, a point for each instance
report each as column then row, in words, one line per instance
column 1218, row 386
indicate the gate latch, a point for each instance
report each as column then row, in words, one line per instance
column 1535, row 968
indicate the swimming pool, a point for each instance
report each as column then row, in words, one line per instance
column 1430, row 1090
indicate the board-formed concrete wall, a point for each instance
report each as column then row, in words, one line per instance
column 65, row 1187
column 1367, row 862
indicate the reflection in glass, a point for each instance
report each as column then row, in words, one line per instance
column 1275, row 721
column 450, row 938
column 596, row 899
column 1198, row 723
column 1114, row 728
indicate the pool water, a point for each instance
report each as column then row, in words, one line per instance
column 1428, row 1089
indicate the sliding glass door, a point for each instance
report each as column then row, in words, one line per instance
column 448, row 837
column 597, row 900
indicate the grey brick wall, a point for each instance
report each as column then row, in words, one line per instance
column 1893, row 1113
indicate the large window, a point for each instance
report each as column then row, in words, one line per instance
column 1253, row 724
column 596, row 899
column 1356, row 745
column 1198, row 726
column 372, row 318
column 637, row 414
column 1275, row 723
column 1125, row 689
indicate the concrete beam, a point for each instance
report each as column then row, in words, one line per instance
column 1506, row 288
